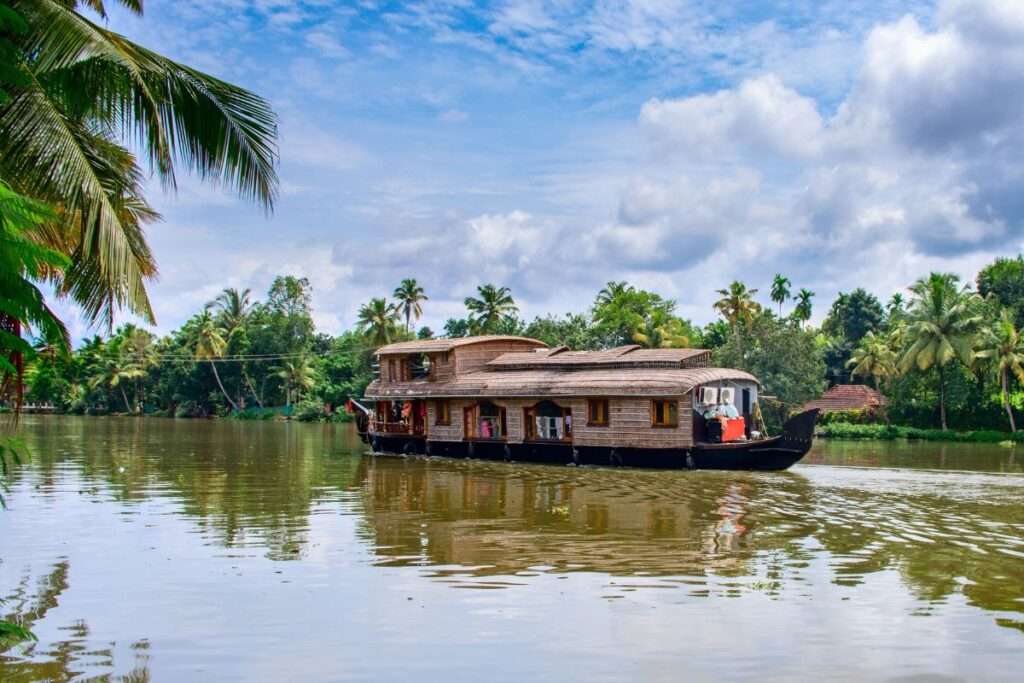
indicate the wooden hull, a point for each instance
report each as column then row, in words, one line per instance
column 776, row 453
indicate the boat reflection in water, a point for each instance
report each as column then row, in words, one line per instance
column 231, row 538
column 470, row 521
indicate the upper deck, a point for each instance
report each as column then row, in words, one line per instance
column 440, row 360
column 518, row 366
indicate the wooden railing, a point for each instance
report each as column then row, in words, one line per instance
column 397, row 428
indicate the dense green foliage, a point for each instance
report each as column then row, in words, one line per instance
column 841, row 430
column 1004, row 281
column 851, row 317
column 944, row 356
column 786, row 358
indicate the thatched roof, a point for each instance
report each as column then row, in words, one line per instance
column 622, row 356
column 548, row 382
column 848, row 397
column 442, row 345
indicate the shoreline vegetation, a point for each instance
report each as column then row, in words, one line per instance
column 883, row 432
column 947, row 358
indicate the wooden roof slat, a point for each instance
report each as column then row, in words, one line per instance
column 442, row 345
column 621, row 356
column 848, row 397
column 548, row 382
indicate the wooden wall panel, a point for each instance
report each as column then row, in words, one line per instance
column 449, row 432
column 440, row 369
column 475, row 356
column 629, row 423
column 629, row 426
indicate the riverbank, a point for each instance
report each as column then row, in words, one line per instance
column 299, row 413
column 881, row 432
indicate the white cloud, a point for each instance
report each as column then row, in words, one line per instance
column 835, row 146
column 762, row 116
column 327, row 43
column 913, row 168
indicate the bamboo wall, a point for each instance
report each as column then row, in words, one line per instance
column 442, row 366
column 474, row 357
column 449, row 432
column 629, row 423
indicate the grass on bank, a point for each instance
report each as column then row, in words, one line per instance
column 839, row 430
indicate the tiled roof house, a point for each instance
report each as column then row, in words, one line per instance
column 848, row 397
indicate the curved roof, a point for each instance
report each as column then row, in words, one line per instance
column 542, row 383
column 441, row 345
column 621, row 356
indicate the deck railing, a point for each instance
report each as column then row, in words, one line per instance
column 397, row 428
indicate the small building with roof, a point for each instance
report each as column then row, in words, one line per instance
column 843, row 397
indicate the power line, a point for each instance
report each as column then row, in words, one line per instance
column 244, row 358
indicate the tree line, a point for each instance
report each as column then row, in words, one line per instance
column 945, row 354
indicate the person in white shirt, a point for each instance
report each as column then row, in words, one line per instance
column 728, row 410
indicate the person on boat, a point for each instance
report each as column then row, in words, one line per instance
column 728, row 411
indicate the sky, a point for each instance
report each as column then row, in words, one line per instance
column 552, row 146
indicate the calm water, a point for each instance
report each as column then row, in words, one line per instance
column 190, row 550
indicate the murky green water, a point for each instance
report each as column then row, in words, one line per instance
column 184, row 550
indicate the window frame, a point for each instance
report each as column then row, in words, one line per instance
column 473, row 413
column 530, row 427
column 673, row 420
column 442, row 407
column 607, row 412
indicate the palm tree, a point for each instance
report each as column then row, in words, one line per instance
column 780, row 290
column 941, row 328
column 22, row 261
column 210, row 345
column 139, row 349
column 409, row 294
column 297, row 376
column 802, row 312
column 737, row 304
column 895, row 306
column 233, row 308
column 378, row 321
column 80, row 94
column 489, row 309
column 113, row 371
column 873, row 358
column 1002, row 345
column 610, row 292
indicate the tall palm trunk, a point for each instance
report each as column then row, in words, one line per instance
column 216, row 375
column 942, row 397
column 127, row 406
column 248, row 381
column 13, row 384
column 1006, row 400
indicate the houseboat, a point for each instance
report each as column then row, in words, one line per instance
column 514, row 398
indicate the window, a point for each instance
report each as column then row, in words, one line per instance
column 664, row 414
column 442, row 413
column 597, row 412
column 392, row 374
column 548, row 421
column 485, row 421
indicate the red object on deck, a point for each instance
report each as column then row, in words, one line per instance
column 734, row 429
